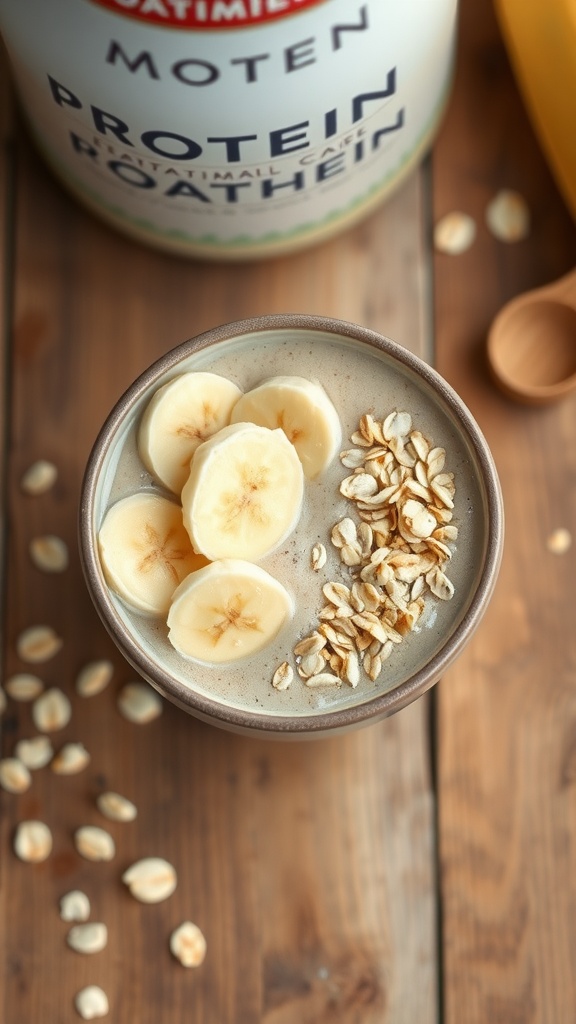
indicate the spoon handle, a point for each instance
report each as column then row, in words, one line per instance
column 565, row 288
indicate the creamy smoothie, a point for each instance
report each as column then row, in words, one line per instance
column 359, row 378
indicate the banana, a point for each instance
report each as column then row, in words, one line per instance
column 145, row 551
column 304, row 412
column 244, row 492
column 179, row 416
column 226, row 611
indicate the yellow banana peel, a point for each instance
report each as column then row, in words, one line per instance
column 540, row 37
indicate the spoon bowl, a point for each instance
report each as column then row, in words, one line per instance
column 532, row 344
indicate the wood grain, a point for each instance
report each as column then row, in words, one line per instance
column 507, row 710
column 6, row 256
column 310, row 867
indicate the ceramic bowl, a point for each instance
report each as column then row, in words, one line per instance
column 362, row 371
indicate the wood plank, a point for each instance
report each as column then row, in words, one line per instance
column 6, row 258
column 507, row 710
column 310, row 867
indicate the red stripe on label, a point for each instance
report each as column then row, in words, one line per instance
column 206, row 14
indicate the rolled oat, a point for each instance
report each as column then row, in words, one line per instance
column 188, row 945
column 49, row 553
column 396, row 554
column 116, row 807
column 454, row 233
column 283, row 676
column 33, row 841
column 70, row 759
column 92, row 1002
column 23, row 686
column 52, row 710
column 38, row 644
column 14, row 775
column 39, row 477
column 35, row 753
column 75, row 906
column 94, row 843
column 151, row 879
column 139, row 703
column 94, row 677
column 90, row 937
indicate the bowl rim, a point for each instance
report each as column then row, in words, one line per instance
column 326, row 722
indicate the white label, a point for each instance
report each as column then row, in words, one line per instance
column 228, row 140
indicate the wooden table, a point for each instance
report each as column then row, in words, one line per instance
column 420, row 870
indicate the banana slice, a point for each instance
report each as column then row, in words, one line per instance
column 145, row 551
column 244, row 492
column 226, row 611
column 179, row 416
column 304, row 412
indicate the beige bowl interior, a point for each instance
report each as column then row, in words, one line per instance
column 361, row 371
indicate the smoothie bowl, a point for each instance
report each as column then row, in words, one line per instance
column 290, row 526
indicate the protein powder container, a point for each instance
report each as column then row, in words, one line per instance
column 230, row 129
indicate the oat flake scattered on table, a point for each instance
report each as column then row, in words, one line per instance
column 35, row 752
column 14, row 775
column 188, row 945
column 36, row 644
column 51, row 710
column 74, row 906
column 39, row 477
column 559, row 541
column 94, row 843
column 94, row 677
column 87, row 938
column 150, row 879
column 33, row 841
column 454, row 233
column 49, row 553
column 139, row 703
column 116, row 807
column 92, row 1002
column 23, row 686
column 508, row 216
column 70, row 759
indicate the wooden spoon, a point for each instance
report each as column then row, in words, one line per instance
column 532, row 343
